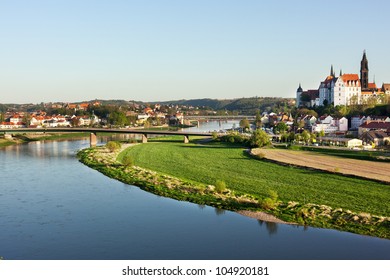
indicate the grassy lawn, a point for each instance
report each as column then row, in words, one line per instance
column 4, row 143
column 217, row 161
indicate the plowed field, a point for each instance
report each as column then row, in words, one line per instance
column 366, row 169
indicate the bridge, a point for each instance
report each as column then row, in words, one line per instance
column 94, row 131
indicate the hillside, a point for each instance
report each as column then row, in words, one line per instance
column 241, row 105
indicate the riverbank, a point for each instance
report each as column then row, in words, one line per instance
column 20, row 138
column 201, row 191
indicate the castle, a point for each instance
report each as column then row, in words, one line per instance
column 346, row 89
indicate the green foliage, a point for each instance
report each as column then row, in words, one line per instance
column 305, row 136
column 281, row 127
column 271, row 202
column 258, row 122
column 113, row 146
column 259, row 139
column 214, row 135
column 234, row 137
column 118, row 118
column 244, row 124
column 128, row 161
column 220, row 186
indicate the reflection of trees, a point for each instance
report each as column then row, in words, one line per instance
column 219, row 211
column 201, row 206
column 272, row 228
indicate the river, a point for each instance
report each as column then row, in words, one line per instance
column 53, row 207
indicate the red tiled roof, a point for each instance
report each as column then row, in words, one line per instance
column 350, row 77
column 376, row 125
column 372, row 85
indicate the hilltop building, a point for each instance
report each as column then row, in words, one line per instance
column 346, row 89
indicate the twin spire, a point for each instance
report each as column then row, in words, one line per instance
column 332, row 71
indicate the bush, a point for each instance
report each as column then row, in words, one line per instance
column 113, row 146
column 259, row 139
column 220, row 186
column 128, row 161
column 271, row 202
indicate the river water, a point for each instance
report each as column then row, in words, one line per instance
column 53, row 207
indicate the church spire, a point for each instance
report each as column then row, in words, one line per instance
column 331, row 71
column 364, row 71
column 299, row 88
column 341, row 72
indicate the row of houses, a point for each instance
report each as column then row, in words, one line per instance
column 326, row 123
column 370, row 130
column 20, row 121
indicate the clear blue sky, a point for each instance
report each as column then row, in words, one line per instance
column 149, row 50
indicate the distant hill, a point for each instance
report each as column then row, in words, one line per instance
column 242, row 105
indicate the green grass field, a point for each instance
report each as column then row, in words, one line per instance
column 241, row 173
column 5, row 143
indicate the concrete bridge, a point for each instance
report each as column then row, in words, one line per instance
column 94, row 131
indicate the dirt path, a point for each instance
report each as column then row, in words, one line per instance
column 263, row 217
column 361, row 168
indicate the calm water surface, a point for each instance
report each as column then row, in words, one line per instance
column 53, row 207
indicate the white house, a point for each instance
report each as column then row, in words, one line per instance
column 330, row 125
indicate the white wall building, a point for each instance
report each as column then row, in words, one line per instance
column 347, row 90
column 330, row 125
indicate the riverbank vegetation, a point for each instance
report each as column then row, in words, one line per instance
column 225, row 176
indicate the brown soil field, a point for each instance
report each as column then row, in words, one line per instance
column 362, row 168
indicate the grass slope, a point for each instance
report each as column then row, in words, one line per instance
column 217, row 161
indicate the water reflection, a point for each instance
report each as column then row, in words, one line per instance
column 272, row 228
column 219, row 211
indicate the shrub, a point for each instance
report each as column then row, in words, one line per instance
column 113, row 146
column 259, row 139
column 128, row 161
column 271, row 202
column 220, row 186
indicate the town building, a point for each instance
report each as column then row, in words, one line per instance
column 330, row 125
column 346, row 89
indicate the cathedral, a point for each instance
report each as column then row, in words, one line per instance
column 346, row 89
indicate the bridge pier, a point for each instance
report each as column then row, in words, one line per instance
column 186, row 139
column 92, row 140
column 144, row 138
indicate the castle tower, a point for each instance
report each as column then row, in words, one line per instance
column 299, row 93
column 364, row 72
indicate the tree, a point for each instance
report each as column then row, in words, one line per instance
column 259, row 138
column 258, row 121
column 281, row 127
column 244, row 124
column 291, row 136
column 305, row 136
column 118, row 118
